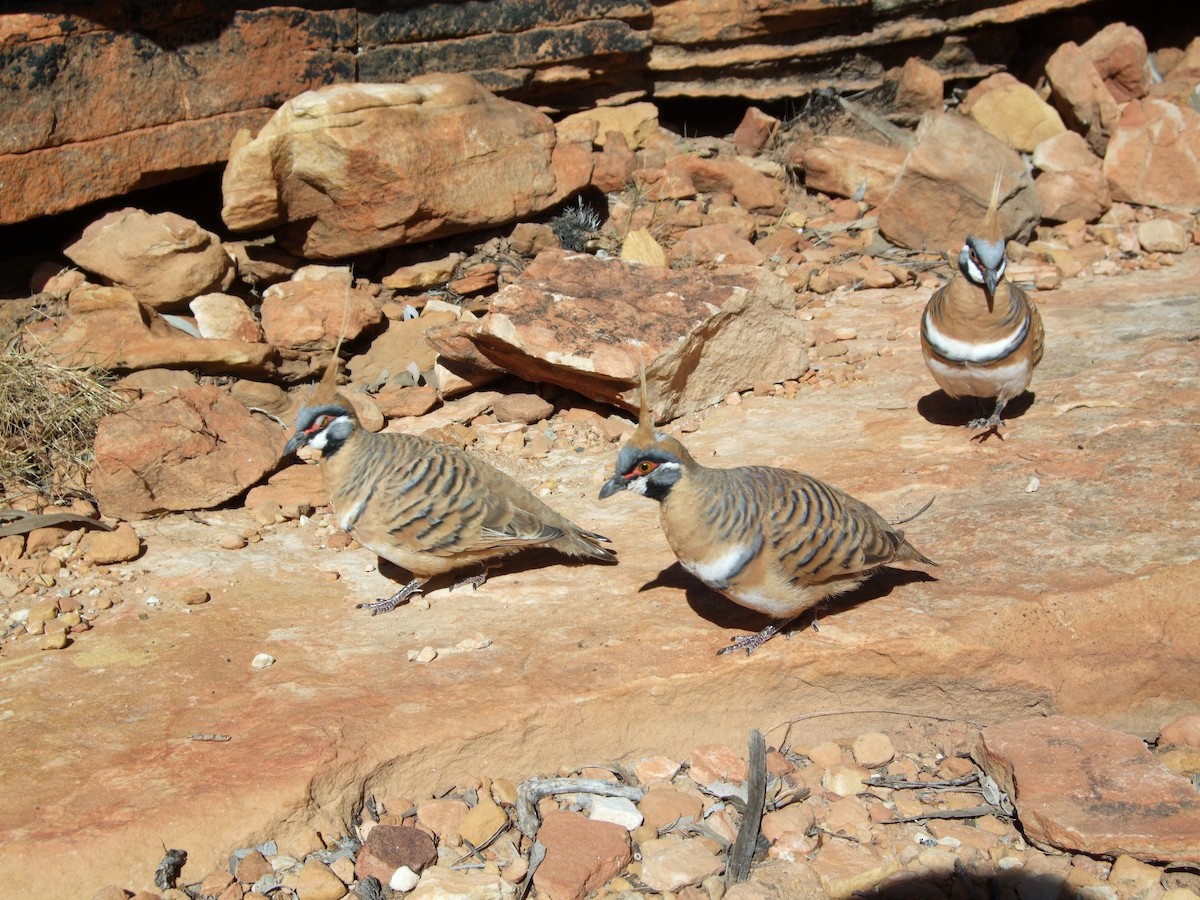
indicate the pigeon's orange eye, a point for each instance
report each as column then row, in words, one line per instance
column 645, row 467
column 319, row 423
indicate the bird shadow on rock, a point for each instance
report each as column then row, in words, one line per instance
column 939, row 408
column 525, row 561
column 724, row 613
column 962, row 883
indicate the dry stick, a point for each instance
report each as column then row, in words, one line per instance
column 737, row 869
column 533, row 790
column 536, row 854
column 974, row 812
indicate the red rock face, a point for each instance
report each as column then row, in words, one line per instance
column 354, row 168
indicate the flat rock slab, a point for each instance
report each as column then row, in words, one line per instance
column 1076, row 598
column 587, row 324
column 1086, row 789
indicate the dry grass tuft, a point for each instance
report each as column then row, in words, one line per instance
column 48, row 418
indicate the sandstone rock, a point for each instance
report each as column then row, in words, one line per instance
column 148, row 380
column 581, row 855
column 873, row 749
column 640, row 246
column 714, row 245
column 843, row 166
column 571, row 320
column 943, row 191
column 1017, row 116
column 442, row 817
column 1153, row 157
column 1087, row 789
column 460, row 367
column 317, row 882
column 388, row 847
column 1080, row 194
column 193, row 449
column 449, row 155
column 1162, row 236
column 225, row 317
column 268, row 397
column 793, row 819
column 483, row 821
column 1184, row 730
column 612, row 167
column 107, row 327
column 310, row 311
column 747, row 186
column 396, row 401
column 453, row 412
column 293, row 486
column 635, row 123
column 1079, row 93
column 161, row 259
column 261, row 262
column 716, row 762
column 105, row 548
column 845, row 869
column 754, row 131
column 425, row 274
column 1133, row 878
column 663, row 804
column 1118, row 51
column 617, row 810
column 440, row 883
column 400, row 345
column 523, row 408
column 1065, row 152
column 984, row 87
column 920, row 88
column 214, row 883
column 668, row 865
column 51, row 278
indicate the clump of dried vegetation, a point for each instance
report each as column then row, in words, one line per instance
column 48, row 419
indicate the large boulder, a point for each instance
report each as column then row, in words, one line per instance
column 943, row 191
column 351, row 168
column 176, row 450
column 315, row 307
column 1153, row 158
column 164, row 259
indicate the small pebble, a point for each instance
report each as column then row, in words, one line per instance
column 232, row 542
column 55, row 640
column 195, row 596
column 404, row 880
column 422, row 656
column 262, row 661
column 1034, row 484
column 479, row 642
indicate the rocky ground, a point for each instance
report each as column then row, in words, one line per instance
column 184, row 666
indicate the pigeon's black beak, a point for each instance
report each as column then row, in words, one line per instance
column 990, row 280
column 614, row 484
column 299, row 439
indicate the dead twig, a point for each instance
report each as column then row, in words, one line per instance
column 737, row 869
